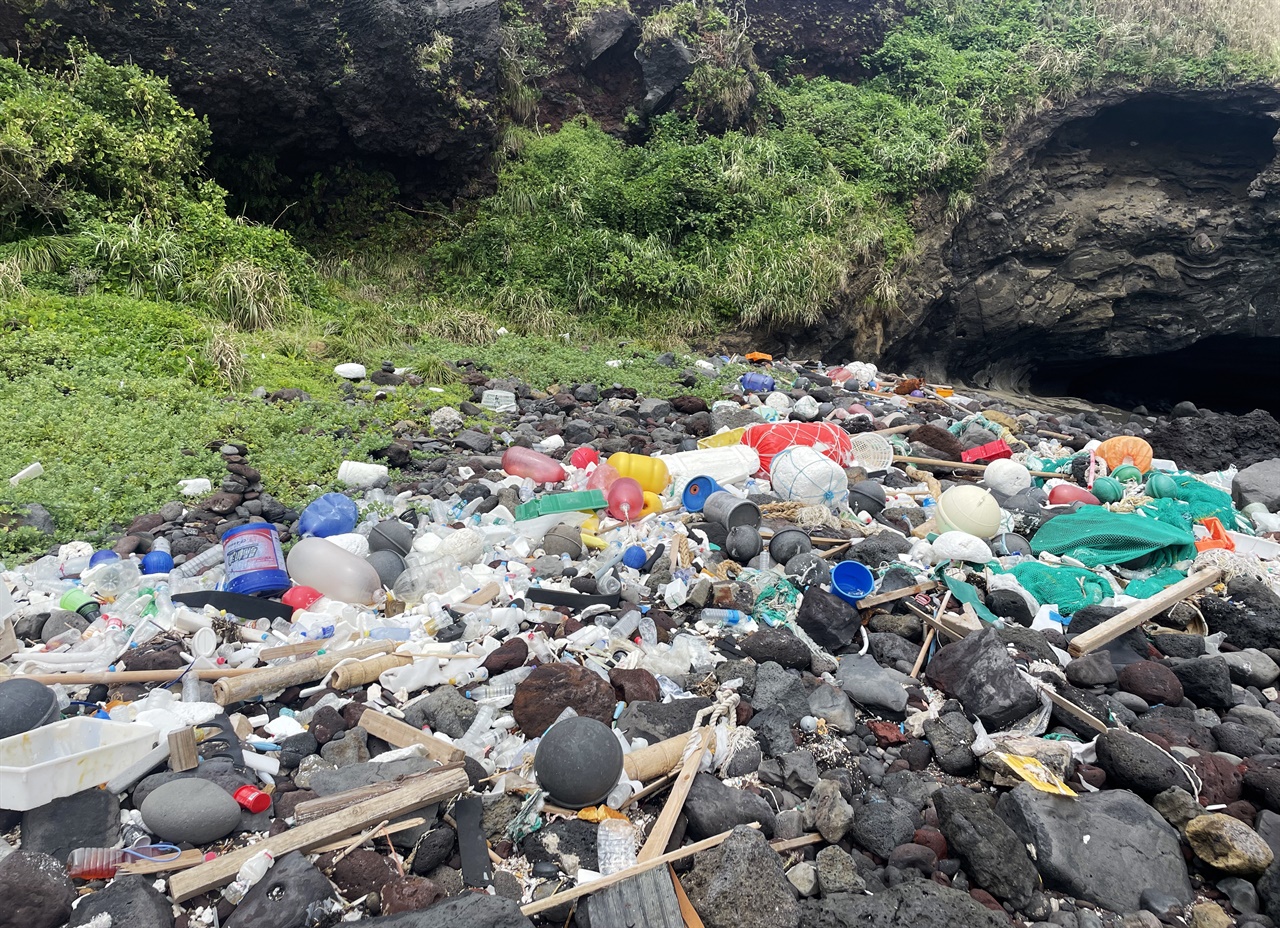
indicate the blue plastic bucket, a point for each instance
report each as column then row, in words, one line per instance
column 852, row 581
column 254, row 560
column 696, row 492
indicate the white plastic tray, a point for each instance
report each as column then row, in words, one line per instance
column 66, row 757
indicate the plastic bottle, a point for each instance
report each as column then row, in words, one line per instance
column 502, row 687
column 626, row 499
column 602, row 478
column 101, row 863
column 417, row 583
column 334, row 572
column 253, row 870
column 112, row 578
column 525, row 462
column 198, row 564
column 727, row 617
column 330, row 514
column 615, row 845
column 648, row 630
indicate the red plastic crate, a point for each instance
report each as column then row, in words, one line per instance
column 991, row 451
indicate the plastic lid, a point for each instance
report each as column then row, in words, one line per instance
column 252, row 798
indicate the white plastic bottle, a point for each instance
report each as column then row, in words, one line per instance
column 253, row 870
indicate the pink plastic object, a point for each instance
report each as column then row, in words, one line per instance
column 583, row 456
column 1064, row 493
column 626, row 499
column 525, row 462
column 603, row 477
column 991, row 451
column 300, row 597
column 826, row 437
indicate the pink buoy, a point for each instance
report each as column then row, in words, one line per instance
column 626, row 499
column 1065, row 493
column 525, row 462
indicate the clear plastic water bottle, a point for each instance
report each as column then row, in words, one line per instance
column 250, row 873
column 195, row 565
column 726, row 617
column 615, row 845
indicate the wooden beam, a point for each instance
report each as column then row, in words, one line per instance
column 960, row 465
column 402, row 735
column 1066, row 705
column 271, row 679
column 924, row 651
column 112, row 677
column 790, row 844
column 882, row 598
column 1137, row 614
column 321, row 806
column 666, row 823
column 690, row 915
column 183, row 751
column 393, row 828
column 586, row 889
column 438, row 785
column 294, row 650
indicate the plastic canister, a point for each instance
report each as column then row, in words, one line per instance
column 650, row 473
column 330, row 514
column 726, row 466
column 757, row 382
column 729, row 511
column 336, row 573
column 696, row 492
column 254, row 560
column 969, row 509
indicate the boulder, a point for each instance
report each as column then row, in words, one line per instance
column 741, row 884
column 980, row 673
column 993, row 855
column 914, row 904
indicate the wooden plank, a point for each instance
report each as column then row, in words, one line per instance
column 1066, row 705
column 586, row 889
column 924, row 651
column 666, row 823
column 690, row 915
column 313, row 809
column 402, row 735
column 882, row 598
column 184, row 861
column 271, row 679
column 440, row 784
column 1135, row 615
column 648, row 899
column 294, row 650
column 791, row 844
column 183, row 751
column 9, row 644
column 960, row 465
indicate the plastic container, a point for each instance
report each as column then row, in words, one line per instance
column 727, row 510
column 991, row 451
column 254, row 560
column 650, row 473
column 338, row 574
column 726, row 466
column 525, row 462
column 871, row 452
column 852, row 581
column 696, row 492
column 626, row 499
column 251, row 798
column 968, row 509
column 194, row 566
column 757, row 382
column 331, row 514
column 615, row 845
column 250, row 873
column 64, row 758
column 81, row 603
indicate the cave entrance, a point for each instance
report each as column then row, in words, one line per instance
column 1225, row 373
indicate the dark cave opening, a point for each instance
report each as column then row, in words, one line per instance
column 1224, row 373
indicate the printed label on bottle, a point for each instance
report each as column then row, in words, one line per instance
column 254, row 549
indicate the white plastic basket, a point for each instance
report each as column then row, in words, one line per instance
column 62, row 759
column 871, row 452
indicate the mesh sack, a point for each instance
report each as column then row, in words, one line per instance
column 1150, row 586
column 1205, row 501
column 1094, row 536
column 1069, row 588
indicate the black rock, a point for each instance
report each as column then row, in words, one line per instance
column 434, row 848
column 1092, row 669
column 713, row 807
column 914, row 904
column 36, row 890
column 1206, row 681
column 656, row 721
column 1237, row 739
column 473, row 910
column 773, row 729
column 1177, row 645
column 87, row 819
column 563, row 842
column 880, row 827
column 781, row 689
column 993, row 855
column 952, row 737
column 129, row 900
column 827, row 619
column 283, row 898
column 777, row 645
column 979, row 672
column 1132, row 762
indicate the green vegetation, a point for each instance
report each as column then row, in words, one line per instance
column 135, row 312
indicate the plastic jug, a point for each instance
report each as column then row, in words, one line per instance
column 650, row 473
column 525, row 462
column 331, row 514
column 336, row 573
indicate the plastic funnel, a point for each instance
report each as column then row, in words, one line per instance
column 852, row 581
column 696, row 492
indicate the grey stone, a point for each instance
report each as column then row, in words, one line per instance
column 1251, row 667
column 36, row 890
column 1177, row 806
column 777, row 645
column 191, row 810
column 868, row 684
column 328, row 781
column 804, row 877
column 951, row 737
column 59, row 621
column 1130, row 847
column 86, row 819
column 1133, row 762
column 799, row 772
column 656, row 721
column 1264, row 723
column 914, row 904
column 713, row 807
column 1092, row 669
column 286, row 897
column 129, row 900
column 980, row 673
column 880, row 827
column 773, row 729
column 1258, row 483
column 741, row 884
column 837, row 873
column 444, row 710
column 1244, row 898
column 347, row 748
column 834, row 707
column 831, row 815
column 778, row 688
column 1236, row 739
column 1206, row 682
column 1160, row 904
column 993, row 855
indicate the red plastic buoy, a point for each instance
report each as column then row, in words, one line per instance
column 1065, row 493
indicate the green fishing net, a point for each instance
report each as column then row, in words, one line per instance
column 1093, row 536
column 1069, row 588
column 1150, row 586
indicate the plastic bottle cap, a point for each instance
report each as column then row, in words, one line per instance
column 251, row 798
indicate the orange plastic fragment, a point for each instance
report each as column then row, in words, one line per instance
column 1125, row 449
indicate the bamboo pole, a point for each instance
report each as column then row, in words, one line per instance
column 366, row 671
column 111, row 677
column 272, row 679
column 960, row 465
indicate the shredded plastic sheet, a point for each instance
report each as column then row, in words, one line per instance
column 1093, row 536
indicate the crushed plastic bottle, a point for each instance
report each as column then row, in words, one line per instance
column 250, row 873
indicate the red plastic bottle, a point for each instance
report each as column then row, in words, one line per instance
column 626, row 499
column 525, row 462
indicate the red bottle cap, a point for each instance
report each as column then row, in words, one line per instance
column 300, row 597
column 252, row 798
